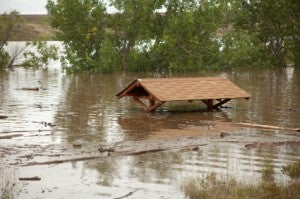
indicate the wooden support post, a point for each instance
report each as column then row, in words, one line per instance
column 151, row 102
column 210, row 104
column 152, row 108
column 205, row 102
column 220, row 103
column 137, row 100
column 135, row 84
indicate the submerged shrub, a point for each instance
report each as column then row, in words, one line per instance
column 7, row 186
column 212, row 187
column 292, row 170
column 267, row 171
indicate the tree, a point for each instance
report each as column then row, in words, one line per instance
column 190, row 35
column 275, row 24
column 44, row 54
column 8, row 23
column 134, row 26
column 82, row 25
column 182, row 39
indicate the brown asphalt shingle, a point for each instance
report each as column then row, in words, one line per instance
column 172, row 89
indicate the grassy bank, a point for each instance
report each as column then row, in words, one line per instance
column 213, row 187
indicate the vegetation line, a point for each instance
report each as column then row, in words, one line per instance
column 189, row 35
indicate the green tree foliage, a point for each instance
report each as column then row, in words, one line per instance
column 241, row 49
column 83, row 26
column 275, row 25
column 185, row 37
column 181, row 39
column 190, row 35
column 8, row 23
column 136, row 23
column 43, row 55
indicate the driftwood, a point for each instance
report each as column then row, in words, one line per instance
column 224, row 134
column 77, row 146
column 10, row 136
column 29, row 146
column 3, row 117
column 127, row 195
column 271, row 144
column 65, row 160
column 252, row 125
column 29, row 131
column 29, row 89
column 118, row 153
column 36, row 178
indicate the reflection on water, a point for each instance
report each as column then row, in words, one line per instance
column 84, row 109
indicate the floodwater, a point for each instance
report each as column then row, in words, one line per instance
column 83, row 109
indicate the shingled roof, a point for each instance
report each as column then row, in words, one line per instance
column 174, row 89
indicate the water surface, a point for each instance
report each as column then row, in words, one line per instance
column 84, row 109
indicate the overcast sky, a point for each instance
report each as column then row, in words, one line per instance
column 24, row 6
column 27, row 6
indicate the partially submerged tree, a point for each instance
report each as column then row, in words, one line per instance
column 275, row 25
column 8, row 58
column 190, row 35
column 8, row 23
column 42, row 56
column 82, row 25
column 134, row 26
column 186, row 37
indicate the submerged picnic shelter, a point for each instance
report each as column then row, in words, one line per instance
column 213, row 91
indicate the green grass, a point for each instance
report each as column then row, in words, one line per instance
column 267, row 188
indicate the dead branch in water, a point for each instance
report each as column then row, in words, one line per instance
column 261, row 126
column 271, row 144
column 253, row 125
column 10, row 136
column 118, row 153
column 127, row 195
column 29, row 131
column 35, row 178
column 29, row 89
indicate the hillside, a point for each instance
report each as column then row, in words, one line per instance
column 34, row 27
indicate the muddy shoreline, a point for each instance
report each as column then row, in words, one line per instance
column 185, row 139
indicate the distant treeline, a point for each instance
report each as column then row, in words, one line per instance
column 176, row 35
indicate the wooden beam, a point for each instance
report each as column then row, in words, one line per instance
column 210, row 103
column 125, row 91
column 220, row 103
column 151, row 102
column 137, row 100
column 152, row 108
column 205, row 102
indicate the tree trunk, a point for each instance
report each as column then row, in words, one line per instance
column 126, row 51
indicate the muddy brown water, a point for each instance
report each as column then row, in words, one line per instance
column 82, row 109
